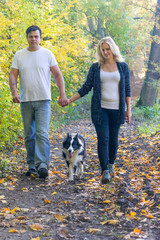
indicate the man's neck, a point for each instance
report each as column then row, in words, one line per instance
column 33, row 49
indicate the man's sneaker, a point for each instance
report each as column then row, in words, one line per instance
column 30, row 171
column 105, row 176
column 43, row 173
column 111, row 168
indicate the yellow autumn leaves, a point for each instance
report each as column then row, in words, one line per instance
column 64, row 38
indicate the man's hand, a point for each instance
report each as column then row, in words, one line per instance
column 63, row 101
column 16, row 99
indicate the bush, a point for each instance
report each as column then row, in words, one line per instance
column 148, row 118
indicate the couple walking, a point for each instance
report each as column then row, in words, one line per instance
column 109, row 78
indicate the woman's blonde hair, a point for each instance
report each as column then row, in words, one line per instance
column 114, row 48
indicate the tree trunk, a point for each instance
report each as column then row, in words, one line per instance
column 148, row 91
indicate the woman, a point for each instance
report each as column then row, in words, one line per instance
column 110, row 80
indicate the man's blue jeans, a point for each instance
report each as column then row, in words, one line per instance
column 36, row 119
column 107, row 135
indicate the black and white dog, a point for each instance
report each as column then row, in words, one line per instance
column 74, row 151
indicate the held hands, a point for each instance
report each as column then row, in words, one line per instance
column 63, row 102
column 68, row 101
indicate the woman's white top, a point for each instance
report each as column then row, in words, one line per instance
column 110, row 89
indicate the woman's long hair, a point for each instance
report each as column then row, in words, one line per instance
column 114, row 48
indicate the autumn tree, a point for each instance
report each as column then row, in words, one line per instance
column 66, row 41
column 70, row 29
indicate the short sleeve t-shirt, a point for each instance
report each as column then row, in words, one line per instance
column 34, row 73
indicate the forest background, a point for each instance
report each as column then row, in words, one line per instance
column 71, row 30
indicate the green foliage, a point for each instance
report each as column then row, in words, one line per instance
column 148, row 118
column 3, row 165
column 65, row 40
column 66, row 33
column 10, row 119
column 124, row 20
column 80, row 109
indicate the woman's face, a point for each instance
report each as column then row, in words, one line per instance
column 106, row 51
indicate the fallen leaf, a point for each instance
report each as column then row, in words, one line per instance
column 137, row 231
column 133, row 214
column 107, row 201
column 54, row 193
column 119, row 214
column 92, row 180
column 47, row 201
column 59, row 217
column 143, row 212
column 2, row 180
column 63, row 233
column 149, row 216
column 12, row 230
column 112, row 221
column 2, row 197
column 10, row 188
column 21, row 217
column 25, row 189
column 36, row 227
column 94, row 230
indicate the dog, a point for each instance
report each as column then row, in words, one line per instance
column 74, row 152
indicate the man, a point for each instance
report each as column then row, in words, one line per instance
column 33, row 65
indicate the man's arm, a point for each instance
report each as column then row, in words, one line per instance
column 60, row 84
column 13, row 84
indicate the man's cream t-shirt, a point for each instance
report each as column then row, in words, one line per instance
column 34, row 73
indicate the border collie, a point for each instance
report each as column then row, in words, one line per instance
column 74, row 151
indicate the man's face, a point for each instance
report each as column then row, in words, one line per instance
column 34, row 39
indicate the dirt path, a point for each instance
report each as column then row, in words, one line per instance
column 55, row 209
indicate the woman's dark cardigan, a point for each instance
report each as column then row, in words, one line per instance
column 93, row 81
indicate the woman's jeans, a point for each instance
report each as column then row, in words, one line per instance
column 36, row 119
column 107, row 135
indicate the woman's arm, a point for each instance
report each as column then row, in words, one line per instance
column 128, row 113
column 74, row 98
column 86, row 87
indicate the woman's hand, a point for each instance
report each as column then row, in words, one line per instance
column 128, row 116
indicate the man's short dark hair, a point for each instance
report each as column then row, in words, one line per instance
column 33, row 28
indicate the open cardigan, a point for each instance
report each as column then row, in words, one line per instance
column 93, row 81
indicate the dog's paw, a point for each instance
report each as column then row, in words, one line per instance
column 79, row 176
column 70, row 178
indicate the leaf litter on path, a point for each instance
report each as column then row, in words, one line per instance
column 126, row 208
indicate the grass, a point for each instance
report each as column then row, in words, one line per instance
column 148, row 119
column 80, row 109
